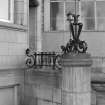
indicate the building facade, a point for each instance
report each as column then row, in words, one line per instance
column 13, row 42
column 52, row 31
column 42, row 25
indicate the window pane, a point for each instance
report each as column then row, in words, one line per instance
column 70, row 7
column 4, row 9
column 88, row 15
column 57, row 16
column 100, row 15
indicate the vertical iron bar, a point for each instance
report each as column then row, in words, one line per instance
column 75, row 21
column 54, row 60
column 42, row 59
column 35, row 59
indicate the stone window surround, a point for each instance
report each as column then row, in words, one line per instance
column 15, row 87
column 6, row 25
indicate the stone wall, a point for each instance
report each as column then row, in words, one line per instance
column 12, row 85
column 13, row 43
column 42, row 88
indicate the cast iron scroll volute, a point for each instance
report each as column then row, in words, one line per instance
column 74, row 45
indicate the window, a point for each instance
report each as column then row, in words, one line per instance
column 55, row 14
column 6, row 10
column 92, row 14
column 88, row 15
column 100, row 14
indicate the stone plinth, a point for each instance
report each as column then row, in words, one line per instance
column 76, row 79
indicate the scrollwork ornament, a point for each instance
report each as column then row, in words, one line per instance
column 30, row 58
column 30, row 61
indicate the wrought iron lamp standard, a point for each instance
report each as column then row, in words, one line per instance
column 74, row 45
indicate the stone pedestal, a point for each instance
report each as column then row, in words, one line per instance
column 76, row 79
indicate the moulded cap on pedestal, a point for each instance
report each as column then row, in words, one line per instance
column 81, row 59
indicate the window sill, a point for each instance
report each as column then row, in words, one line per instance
column 55, row 31
column 12, row 26
column 69, row 31
column 93, row 31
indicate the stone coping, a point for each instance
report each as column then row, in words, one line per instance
column 76, row 60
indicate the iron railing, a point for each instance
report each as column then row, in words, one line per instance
column 41, row 59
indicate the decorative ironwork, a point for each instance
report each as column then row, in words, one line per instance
column 75, row 45
column 41, row 59
column 52, row 59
